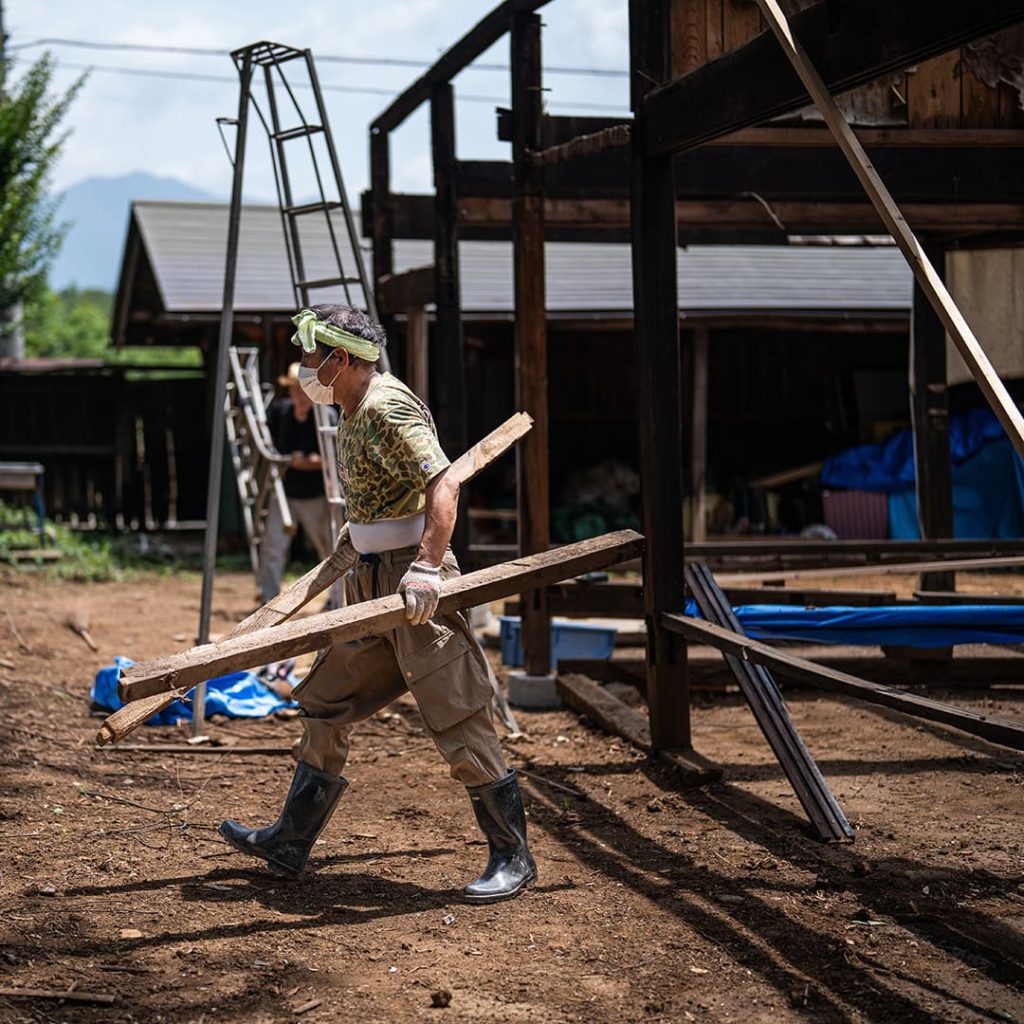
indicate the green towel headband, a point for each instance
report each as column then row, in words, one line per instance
column 309, row 330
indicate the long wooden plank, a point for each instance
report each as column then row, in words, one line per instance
column 959, row 597
column 883, row 569
column 928, row 279
column 754, row 83
column 713, row 549
column 809, row 597
column 1004, row 731
column 126, row 720
column 373, row 617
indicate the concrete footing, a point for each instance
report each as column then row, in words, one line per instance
column 536, row 693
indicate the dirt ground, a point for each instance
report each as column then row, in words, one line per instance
column 653, row 904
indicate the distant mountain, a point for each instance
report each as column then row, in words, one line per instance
column 98, row 211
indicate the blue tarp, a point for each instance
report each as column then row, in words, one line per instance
column 988, row 478
column 900, row 625
column 239, row 695
column 924, row 626
column 988, row 497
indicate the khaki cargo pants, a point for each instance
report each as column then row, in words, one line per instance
column 440, row 663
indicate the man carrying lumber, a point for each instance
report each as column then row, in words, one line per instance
column 401, row 507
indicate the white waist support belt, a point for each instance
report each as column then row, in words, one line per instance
column 386, row 534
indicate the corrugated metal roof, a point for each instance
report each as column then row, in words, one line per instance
column 185, row 243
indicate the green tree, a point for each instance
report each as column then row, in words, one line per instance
column 29, row 146
column 71, row 324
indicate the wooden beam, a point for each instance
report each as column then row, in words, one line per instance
column 557, row 129
column 491, row 218
column 925, row 274
column 371, row 618
column 484, row 34
column 699, row 356
column 611, row 714
column 708, row 669
column 914, row 174
column 754, row 83
column 530, row 330
column 381, row 210
column 929, row 409
column 583, row 146
column 1004, row 731
column 809, row 598
column 959, row 597
column 656, row 319
column 961, row 672
column 879, row 549
column 611, row 600
column 881, row 569
column 411, row 289
column 796, row 216
column 449, row 377
column 417, row 353
column 898, row 138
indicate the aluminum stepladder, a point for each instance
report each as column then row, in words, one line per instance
column 338, row 277
column 259, row 467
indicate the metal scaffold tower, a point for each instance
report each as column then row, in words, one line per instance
column 325, row 265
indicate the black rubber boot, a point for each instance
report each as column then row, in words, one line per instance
column 498, row 807
column 285, row 845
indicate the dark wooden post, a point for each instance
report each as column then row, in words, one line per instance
column 929, row 407
column 449, row 362
column 531, row 350
column 656, row 326
column 698, row 434
column 383, row 214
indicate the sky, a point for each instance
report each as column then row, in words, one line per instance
column 122, row 123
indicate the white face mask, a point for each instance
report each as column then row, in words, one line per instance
column 309, row 381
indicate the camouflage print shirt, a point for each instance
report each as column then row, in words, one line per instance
column 387, row 453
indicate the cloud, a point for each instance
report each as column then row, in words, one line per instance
column 166, row 126
column 604, row 32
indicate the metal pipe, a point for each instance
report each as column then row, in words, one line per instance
column 223, row 345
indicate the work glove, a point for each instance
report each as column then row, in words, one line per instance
column 421, row 587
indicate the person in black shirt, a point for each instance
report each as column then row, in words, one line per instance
column 293, row 431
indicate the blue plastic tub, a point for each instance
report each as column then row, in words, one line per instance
column 568, row 640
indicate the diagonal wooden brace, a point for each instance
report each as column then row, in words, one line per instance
column 928, row 279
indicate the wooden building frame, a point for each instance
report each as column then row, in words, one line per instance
column 706, row 104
